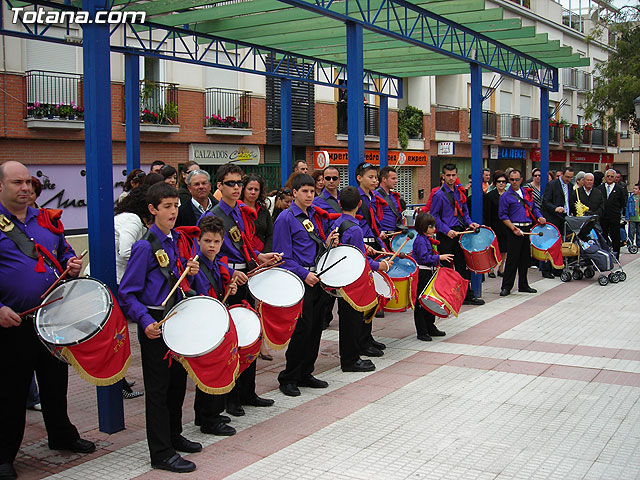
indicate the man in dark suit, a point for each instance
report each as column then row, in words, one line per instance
column 199, row 185
column 590, row 197
column 558, row 201
column 615, row 199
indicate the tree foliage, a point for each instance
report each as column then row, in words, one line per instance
column 409, row 125
column 617, row 81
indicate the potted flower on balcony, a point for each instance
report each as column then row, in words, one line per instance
column 148, row 116
column 588, row 126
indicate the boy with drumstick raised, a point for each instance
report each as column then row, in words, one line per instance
column 153, row 269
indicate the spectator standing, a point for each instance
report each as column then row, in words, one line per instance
column 156, row 166
column 318, row 176
column 491, row 206
column 183, row 192
column 589, row 196
column 200, row 200
column 632, row 215
column 534, row 185
column 615, row 199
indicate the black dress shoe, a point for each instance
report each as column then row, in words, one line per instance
column 380, row 314
column 290, row 389
column 500, row 274
column 359, row 366
column 528, row 290
column 7, row 472
column 504, row 292
column 216, row 419
column 181, row 444
column 547, row 275
column 372, row 352
column 313, row 382
column 221, row 429
column 491, row 275
column 425, row 338
column 78, row 446
column 175, row 464
column 473, row 301
column 378, row 345
column 434, row 332
column 235, row 410
column 258, row 402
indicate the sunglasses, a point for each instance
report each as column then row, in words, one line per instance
column 233, row 183
column 536, row 175
column 514, row 179
column 286, row 191
column 332, row 179
column 501, row 181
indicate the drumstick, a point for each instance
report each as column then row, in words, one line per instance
column 389, row 235
column 175, row 287
column 330, row 267
column 410, row 235
column 467, row 231
column 538, row 234
column 326, row 255
column 264, row 269
column 31, row 310
column 226, row 295
column 166, row 318
column 62, row 276
column 262, row 265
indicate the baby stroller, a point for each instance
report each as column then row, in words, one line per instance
column 586, row 252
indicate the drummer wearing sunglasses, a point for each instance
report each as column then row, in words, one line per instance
column 329, row 198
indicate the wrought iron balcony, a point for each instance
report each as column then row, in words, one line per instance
column 227, row 108
column 371, row 119
column 159, row 103
column 489, row 123
column 54, row 95
column 447, row 119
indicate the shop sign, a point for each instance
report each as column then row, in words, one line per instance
column 445, row 148
column 341, row 157
column 512, row 153
column 493, row 152
column 322, row 159
column 219, row 154
column 590, row 157
column 556, row 156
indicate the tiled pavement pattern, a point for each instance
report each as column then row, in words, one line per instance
column 527, row 386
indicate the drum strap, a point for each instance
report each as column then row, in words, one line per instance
column 392, row 205
column 457, row 210
column 209, row 274
column 344, row 226
column 26, row 245
column 332, row 202
column 313, row 235
column 229, row 225
column 526, row 207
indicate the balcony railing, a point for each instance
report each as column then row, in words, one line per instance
column 159, row 102
column 54, row 95
column 371, row 120
column 598, row 136
column 447, row 119
column 612, row 139
column 572, row 134
column 555, row 134
column 515, row 126
column 489, row 123
column 574, row 79
column 227, row 108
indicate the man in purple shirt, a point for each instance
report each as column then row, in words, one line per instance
column 449, row 207
column 299, row 232
column 329, row 199
column 519, row 213
column 23, row 279
column 392, row 211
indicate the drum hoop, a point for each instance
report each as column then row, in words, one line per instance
column 210, row 349
column 342, row 246
column 293, row 275
column 478, row 251
column 393, row 279
column 389, row 281
column 247, row 307
column 88, row 336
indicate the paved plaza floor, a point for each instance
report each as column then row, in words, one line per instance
column 532, row 386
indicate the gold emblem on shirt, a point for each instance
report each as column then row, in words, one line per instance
column 235, row 234
column 6, row 225
column 162, row 257
column 308, row 225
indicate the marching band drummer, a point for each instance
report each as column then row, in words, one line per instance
column 392, row 211
column 27, row 269
column 519, row 213
column 299, row 232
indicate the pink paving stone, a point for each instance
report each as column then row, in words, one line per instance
column 363, row 392
column 396, row 378
column 588, row 351
column 434, row 358
column 412, row 370
column 571, row 373
column 550, row 347
column 618, row 378
column 625, row 354
column 518, row 366
column 470, row 361
column 508, row 343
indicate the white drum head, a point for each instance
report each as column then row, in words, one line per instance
column 197, row 328
column 247, row 324
column 277, row 287
column 344, row 273
column 382, row 286
column 83, row 311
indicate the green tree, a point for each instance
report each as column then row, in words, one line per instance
column 617, row 81
column 409, row 125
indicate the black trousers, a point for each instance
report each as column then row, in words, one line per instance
column 611, row 229
column 327, row 303
column 365, row 338
column 207, row 407
column 452, row 245
column 350, row 326
column 24, row 353
column 165, row 387
column 303, row 348
column 424, row 321
column 518, row 260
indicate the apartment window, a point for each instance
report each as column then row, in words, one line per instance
column 505, row 102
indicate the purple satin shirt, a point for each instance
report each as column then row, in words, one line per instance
column 511, row 209
column 143, row 282
column 353, row 236
column 390, row 221
column 290, row 237
column 367, row 231
column 444, row 212
column 321, row 201
column 201, row 282
column 423, row 252
column 20, row 285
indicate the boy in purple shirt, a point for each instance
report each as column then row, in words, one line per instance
column 428, row 260
column 142, row 290
column 351, row 320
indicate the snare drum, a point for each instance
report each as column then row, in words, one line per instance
column 399, row 240
column 85, row 322
column 203, row 339
column 249, row 328
column 481, row 251
column 548, row 245
column 384, row 287
column 404, row 274
column 444, row 293
column 279, row 293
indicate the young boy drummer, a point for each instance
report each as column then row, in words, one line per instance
column 428, row 260
column 352, row 320
column 214, row 279
column 236, row 246
column 154, row 268
column 299, row 232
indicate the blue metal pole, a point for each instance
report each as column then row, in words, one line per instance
column 132, row 109
column 98, row 159
column 355, row 98
column 476, row 158
column 384, row 131
column 285, row 130
column 544, row 137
